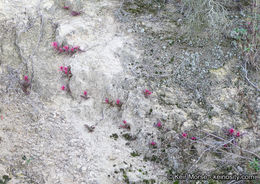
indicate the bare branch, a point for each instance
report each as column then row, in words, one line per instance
column 244, row 68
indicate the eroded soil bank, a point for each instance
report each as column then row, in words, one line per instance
column 197, row 98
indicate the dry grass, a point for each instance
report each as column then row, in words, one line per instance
column 204, row 15
column 215, row 152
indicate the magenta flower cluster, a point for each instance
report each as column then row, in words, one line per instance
column 85, row 93
column 117, row 103
column 158, row 124
column 153, row 143
column 232, row 132
column 126, row 125
column 147, row 93
column 26, row 78
column 65, row 49
column 64, row 69
column 107, row 101
column 185, row 135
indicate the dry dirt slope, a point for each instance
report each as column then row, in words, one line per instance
column 47, row 126
column 196, row 90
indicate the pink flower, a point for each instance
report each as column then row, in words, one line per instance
column 62, row 88
column 184, row 135
column 159, row 124
column 76, row 47
column 55, row 45
column 124, row 121
column 107, row 101
column 231, row 131
column 61, row 68
column 72, row 49
column 66, row 8
column 225, row 145
column 66, row 47
column 147, row 92
column 117, row 102
column 238, row 134
column 193, row 138
column 65, row 68
column 26, row 78
column 60, row 49
column 85, row 93
column 153, row 143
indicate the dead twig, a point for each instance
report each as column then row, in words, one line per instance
column 25, row 85
column 85, row 97
column 244, row 68
column 68, row 90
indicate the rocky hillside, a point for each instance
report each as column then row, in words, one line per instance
column 116, row 91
